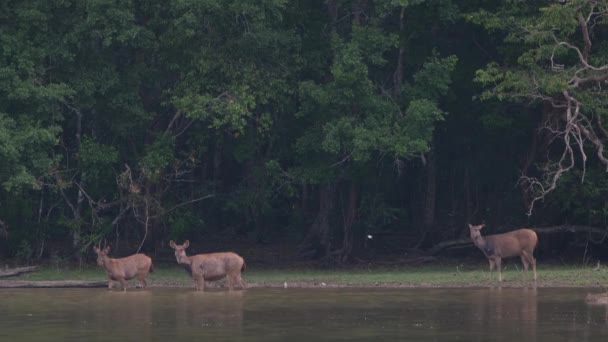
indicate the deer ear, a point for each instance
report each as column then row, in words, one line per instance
column 481, row 225
column 470, row 226
column 172, row 244
column 95, row 249
column 186, row 244
column 106, row 250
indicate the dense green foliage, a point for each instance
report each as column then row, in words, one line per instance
column 314, row 122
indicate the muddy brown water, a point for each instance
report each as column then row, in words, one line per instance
column 179, row 314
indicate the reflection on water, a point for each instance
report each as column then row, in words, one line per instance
column 497, row 308
column 482, row 314
column 211, row 309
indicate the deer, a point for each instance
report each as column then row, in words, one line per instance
column 211, row 266
column 521, row 242
column 123, row 269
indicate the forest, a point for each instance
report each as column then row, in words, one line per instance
column 342, row 129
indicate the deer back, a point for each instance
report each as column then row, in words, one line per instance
column 214, row 266
column 511, row 243
column 128, row 267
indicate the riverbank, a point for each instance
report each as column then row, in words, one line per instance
column 361, row 276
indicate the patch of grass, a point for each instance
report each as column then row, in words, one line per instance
column 427, row 275
column 436, row 276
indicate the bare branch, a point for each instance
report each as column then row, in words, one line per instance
column 581, row 57
column 186, row 203
column 120, row 215
column 577, row 81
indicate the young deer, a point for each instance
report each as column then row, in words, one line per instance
column 121, row 270
column 210, row 267
column 519, row 242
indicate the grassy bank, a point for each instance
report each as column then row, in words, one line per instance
column 412, row 276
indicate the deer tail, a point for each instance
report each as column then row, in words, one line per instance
column 243, row 267
column 151, row 268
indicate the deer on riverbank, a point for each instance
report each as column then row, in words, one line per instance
column 210, row 267
column 521, row 242
column 123, row 269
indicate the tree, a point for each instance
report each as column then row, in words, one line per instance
column 555, row 57
column 353, row 120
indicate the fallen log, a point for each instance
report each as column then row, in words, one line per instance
column 568, row 228
column 11, row 272
column 440, row 247
column 51, row 284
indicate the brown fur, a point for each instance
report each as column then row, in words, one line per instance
column 521, row 242
column 123, row 269
column 210, row 267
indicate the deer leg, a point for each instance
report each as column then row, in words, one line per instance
column 110, row 283
column 142, row 280
column 123, row 283
column 532, row 260
column 498, row 262
column 241, row 282
column 491, row 268
column 524, row 261
column 199, row 283
column 230, row 283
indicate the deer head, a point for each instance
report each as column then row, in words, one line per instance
column 475, row 230
column 180, row 251
column 101, row 253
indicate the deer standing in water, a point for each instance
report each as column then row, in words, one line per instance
column 521, row 242
column 210, row 267
column 123, row 269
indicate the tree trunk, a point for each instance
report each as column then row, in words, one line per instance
column 217, row 163
column 431, row 192
column 77, row 239
column 318, row 239
column 305, row 197
column 359, row 8
column 77, row 210
column 332, row 8
column 398, row 75
column 469, row 199
column 350, row 217
column 538, row 149
column 428, row 218
column 3, row 229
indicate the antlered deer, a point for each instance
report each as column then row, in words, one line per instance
column 210, row 267
column 123, row 269
column 519, row 242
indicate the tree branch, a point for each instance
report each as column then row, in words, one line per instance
column 585, row 31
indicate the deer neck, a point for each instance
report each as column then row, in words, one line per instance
column 185, row 260
column 479, row 241
column 487, row 245
column 107, row 262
